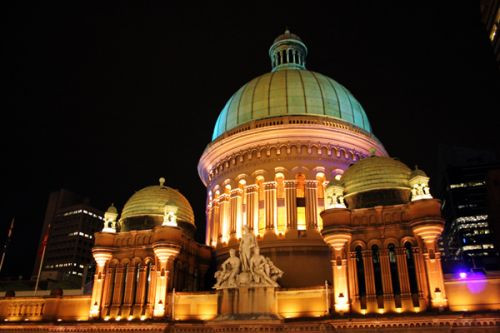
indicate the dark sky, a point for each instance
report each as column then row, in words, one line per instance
column 104, row 98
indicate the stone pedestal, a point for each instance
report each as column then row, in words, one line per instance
column 247, row 303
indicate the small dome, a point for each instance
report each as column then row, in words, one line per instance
column 149, row 203
column 375, row 181
column 112, row 209
column 418, row 172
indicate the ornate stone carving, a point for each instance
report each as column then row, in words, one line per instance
column 252, row 270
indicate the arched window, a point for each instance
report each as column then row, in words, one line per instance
column 290, row 56
column 148, row 280
column 136, row 283
column 278, row 58
column 285, row 60
column 412, row 273
column 360, row 268
column 377, row 271
column 124, row 283
column 394, row 270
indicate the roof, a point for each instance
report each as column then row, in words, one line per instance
column 290, row 92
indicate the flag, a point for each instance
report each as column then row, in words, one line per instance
column 44, row 242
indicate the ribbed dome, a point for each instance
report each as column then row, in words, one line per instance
column 375, row 173
column 290, row 92
column 151, row 200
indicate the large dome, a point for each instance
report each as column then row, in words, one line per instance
column 150, row 202
column 290, row 92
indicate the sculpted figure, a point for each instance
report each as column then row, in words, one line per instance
column 260, row 269
column 274, row 272
column 226, row 276
column 247, row 244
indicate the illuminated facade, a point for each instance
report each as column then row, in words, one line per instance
column 313, row 228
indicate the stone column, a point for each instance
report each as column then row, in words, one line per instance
column 429, row 232
column 164, row 252
column 270, row 207
column 404, row 280
column 216, row 234
column 321, row 203
column 371, row 295
column 139, row 306
column 338, row 241
column 236, row 195
column 224, row 217
column 208, row 232
column 385, row 267
column 353, row 283
column 252, row 208
column 129, row 290
column 423, row 289
column 291, row 207
column 101, row 257
column 117, row 295
column 311, row 187
column 107, row 297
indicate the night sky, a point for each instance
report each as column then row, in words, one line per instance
column 104, row 98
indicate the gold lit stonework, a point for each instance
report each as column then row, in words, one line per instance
column 309, row 224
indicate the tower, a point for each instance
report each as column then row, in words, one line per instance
column 277, row 143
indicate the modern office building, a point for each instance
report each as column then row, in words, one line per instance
column 468, row 187
column 69, row 225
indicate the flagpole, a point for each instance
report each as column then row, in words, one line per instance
column 44, row 245
column 7, row 241
column 39, row 270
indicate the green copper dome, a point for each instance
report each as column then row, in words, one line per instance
column 290, row 89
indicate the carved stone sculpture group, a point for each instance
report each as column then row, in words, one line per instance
column 251, row 269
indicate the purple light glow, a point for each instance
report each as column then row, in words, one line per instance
column 462, row 275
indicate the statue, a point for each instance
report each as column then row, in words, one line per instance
column 260, row 269
column 227, row 276
column 252, row 270
column 247, row 243
column 274, row 272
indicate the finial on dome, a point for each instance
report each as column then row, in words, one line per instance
column 162, row 181
column 373, row 151
column 288, row 52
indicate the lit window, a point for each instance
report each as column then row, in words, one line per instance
column 468, row 184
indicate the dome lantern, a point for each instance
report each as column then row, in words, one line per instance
column 170, row 215
column 110, row 219
column 419, row 182
column 288, row 52
column 334, row 194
